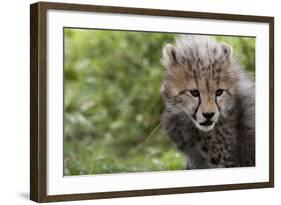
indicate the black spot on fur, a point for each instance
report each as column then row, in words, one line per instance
column 225, row 50
column 215, row 50
column 205, row 149
column 214, row 161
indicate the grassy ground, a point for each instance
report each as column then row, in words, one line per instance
column 89, row 156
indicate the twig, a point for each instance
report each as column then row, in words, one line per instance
column 150, row 134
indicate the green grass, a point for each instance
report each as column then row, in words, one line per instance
column 88, row 156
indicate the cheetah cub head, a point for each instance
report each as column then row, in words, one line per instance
column 200, row 79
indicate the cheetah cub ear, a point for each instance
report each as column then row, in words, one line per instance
column 169, row 56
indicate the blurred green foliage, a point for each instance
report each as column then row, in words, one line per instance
column 112, row 103
column 244, row 51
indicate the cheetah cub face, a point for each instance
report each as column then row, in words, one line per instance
column 199, row 80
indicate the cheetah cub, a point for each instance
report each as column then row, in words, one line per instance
column 210, row 104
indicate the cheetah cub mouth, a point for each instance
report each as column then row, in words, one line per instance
column 207, row 123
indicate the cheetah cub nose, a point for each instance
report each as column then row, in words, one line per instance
column 208, row 115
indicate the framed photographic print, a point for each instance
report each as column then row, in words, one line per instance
column 134, row 102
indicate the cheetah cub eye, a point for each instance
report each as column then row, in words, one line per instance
column 219, row 92
column 194, row 93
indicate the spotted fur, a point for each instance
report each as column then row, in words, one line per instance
column 202, row 78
